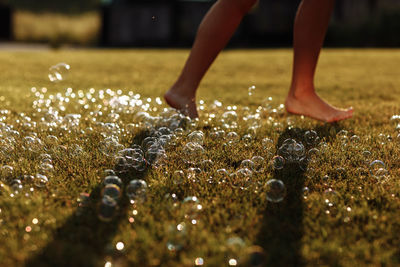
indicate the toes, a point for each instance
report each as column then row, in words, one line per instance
column 341, row 116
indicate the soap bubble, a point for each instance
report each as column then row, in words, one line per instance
column 16, row 185
column 355, row 140
column 382, row 138
column 247, row 163
column 206, row 164
column 110, row 147
column 312, row 155
column 221, row 175
column 331, row 197
column 107, row 208
column 342, row 133
column 259, row 163
column 232, row 137
column 251, row 90
column 292, row 151
column 378, row 170
column 136, row 190
column 51, row 140
column 278, row 162
column 276, row 190
column 120, row 165
column 7, row 171
column 193, row 173
column 241, row 178
column 32, row 143
column 148, row 142
column 311, row 138
column 58, row 72
column 46, row 169
column 45, row 158
column 157, row 158
column 178, row 177
column 395, row 119
column 111, row 190
column 230, row 117
column 164, row 131
column 40, row 180
column 108, row 172
column 133, row 156
column 196, row 137
column 247, row 138
column 217, row 135
column 193, row 152
column 112, row 179
column 27, row 178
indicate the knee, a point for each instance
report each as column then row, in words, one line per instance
column 243, row 5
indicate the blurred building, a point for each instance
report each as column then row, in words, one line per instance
column 127, row 23
column 270, row 23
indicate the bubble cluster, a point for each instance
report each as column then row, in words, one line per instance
column 131, row 135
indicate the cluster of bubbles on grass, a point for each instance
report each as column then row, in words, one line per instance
column 65, row 128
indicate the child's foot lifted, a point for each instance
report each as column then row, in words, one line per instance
column 186, row 105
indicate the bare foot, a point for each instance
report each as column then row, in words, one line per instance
column 311, row 105
column 185, row 105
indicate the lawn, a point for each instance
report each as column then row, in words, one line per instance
column 336, row 210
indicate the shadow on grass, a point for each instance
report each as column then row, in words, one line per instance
column 83, row 239
column 282, row 227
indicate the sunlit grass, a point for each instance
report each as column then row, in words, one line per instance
column 234, row 224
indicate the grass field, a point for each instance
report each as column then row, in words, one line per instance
column 345, row 216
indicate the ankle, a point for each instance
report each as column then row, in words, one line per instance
column 300, row 89
column 183, row 90
column 302, row 92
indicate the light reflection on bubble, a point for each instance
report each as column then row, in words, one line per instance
column 199, row 261
column 58, row 72
column 232, row 262
column 120, row 246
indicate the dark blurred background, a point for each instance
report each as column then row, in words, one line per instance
column 173, row 23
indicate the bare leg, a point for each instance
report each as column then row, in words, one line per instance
column 213, row 34
column 309, row 32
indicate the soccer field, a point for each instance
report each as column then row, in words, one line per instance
column 210, row 195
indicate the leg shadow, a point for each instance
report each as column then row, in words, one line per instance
column 83, row 239
column 282, row 229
